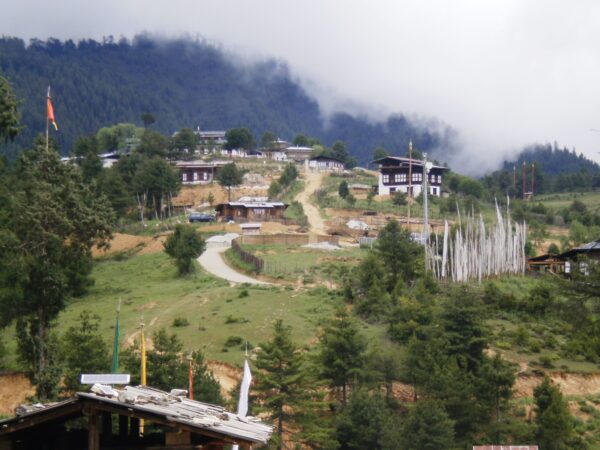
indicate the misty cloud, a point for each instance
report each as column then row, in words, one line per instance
column 503, row 73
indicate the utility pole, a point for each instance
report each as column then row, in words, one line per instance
column 409, row 192
column 532, row 179
column 425, row 188
column 523, row 174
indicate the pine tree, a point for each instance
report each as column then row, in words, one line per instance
column 427, row 427
column 342, row 352
column 555, row 424
column 83, row 351
column 281, row 382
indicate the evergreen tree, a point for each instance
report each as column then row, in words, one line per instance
column 362, row 422
column 156, row 179
column 239, row 138
column 184, row 245
column 555, row 424
column 343, row 190
column 229, row 176
column 427, row 427
column 342, row 352
column 9, row 115
column 85, row 151
column 168, row 367
column 281, row 382
column 54, row 220
column 83, row 351
column 400, row 255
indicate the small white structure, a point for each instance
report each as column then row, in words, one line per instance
column 250, row 228
column 325, row 164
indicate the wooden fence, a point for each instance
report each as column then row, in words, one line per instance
column 258, row 263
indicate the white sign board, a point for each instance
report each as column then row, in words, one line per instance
column 105, row 378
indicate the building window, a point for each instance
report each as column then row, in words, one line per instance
column 184, row 176
column 402, row 178
column 195, row 176
column 205, row 176
column 417, row 176
column 434, row 191
column 386, row 178
column 397, row 178
column 439, row 179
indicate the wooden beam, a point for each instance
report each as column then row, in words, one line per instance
column 94, row 431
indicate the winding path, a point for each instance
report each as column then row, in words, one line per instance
column 212, row 261
column 313, row 181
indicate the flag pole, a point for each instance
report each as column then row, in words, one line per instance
column 47, row 120
column 143, row 367
column 115, row 361
column 190, row 376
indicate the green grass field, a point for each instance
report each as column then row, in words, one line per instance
column 289, row 262
column 149, row 286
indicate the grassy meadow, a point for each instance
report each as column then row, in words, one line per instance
column 148, row 286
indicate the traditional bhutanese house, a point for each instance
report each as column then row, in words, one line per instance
column 298, row 154
column 199, row 172
column 591, row 250
column 276, row 151
column 404, row 174
column 546, row 263
column 325, row 164
column 210, row 141
column 109, row 418
column 257, row 209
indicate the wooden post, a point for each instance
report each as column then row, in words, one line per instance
column 93, row 431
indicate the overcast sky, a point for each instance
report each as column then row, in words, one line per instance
column 504, row 73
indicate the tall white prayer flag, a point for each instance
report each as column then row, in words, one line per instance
column 244, row 391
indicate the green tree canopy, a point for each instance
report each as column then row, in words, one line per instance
column 9, row 115
column 342, row 352
column 229, row 176
column 239, row 138
column 555, row 424
column 427, row 427
column 83, row 351
column 268, row 140
column 399, row 253
column 281, row 382
column 343, row 190
column 54, row 220
column 184, row 245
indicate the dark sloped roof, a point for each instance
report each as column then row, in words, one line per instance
column 152, row 403
column 593, row 246
column 401, row 161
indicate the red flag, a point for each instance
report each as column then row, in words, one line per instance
column 51, row 111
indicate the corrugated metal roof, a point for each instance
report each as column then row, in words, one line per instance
column 189, row 412
column 157, row 403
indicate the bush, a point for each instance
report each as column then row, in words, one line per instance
column 233, row 319
column 243, row 293
column 233, row 341
column 180, row 322
column 399, row 198
column 184, row 245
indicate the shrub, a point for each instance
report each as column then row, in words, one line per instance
column 233, row 341
column 243, row 293
column 180, row 322
column 233, row 319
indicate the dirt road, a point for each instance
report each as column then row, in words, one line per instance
column 212, row 261
column 312, row 182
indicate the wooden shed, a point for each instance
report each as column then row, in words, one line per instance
column 109, row 418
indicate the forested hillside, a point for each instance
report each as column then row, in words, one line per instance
column 183, row 83
column 555, row 170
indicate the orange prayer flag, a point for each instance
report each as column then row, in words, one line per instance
column 50, row 108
